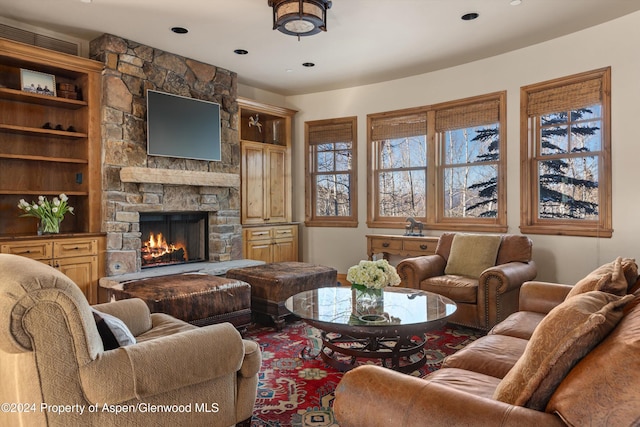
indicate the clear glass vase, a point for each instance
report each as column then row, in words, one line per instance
column 49, row 226
column 369, row 301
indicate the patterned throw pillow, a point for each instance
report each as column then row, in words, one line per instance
column 611, row 277
column 561, row 339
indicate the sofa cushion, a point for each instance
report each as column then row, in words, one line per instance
column 603, row 388
column 471, row 382
column 561, row 339
column 491, row 355
column 458, row 288
column 520, row 324
column 610, row 277
column 471, row 254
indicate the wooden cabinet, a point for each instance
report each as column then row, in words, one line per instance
column 400, row 245
column 49, row 144
column 275, row 243
column 79, row 258
column 264, row 184
column 265, row 138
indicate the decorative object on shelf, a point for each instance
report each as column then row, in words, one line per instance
column 413, row 228
column 67, row 90
column 300, row 17
column 255, row 121
column 38, row 83
column 49, row 213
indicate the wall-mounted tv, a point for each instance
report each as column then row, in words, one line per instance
column 183, row 127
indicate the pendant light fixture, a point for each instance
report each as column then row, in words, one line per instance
column 300, row 17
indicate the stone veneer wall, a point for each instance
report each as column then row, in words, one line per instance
column 130, row 69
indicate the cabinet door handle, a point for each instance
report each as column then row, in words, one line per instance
column 423, row 247
column 385, row 245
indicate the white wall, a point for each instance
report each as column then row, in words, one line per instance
column 559, row 258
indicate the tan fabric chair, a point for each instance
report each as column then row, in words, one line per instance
column 51, row 353
column 484, row 300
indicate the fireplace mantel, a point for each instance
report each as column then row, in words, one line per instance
column 179, row 177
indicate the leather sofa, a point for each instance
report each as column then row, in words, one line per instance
column 579, row 370
column 57, row 367
column 485, row 290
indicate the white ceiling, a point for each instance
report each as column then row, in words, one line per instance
column 367, row 41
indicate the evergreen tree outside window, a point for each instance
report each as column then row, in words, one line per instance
column 443, row 165
column 471, row 169
column 331, row 173
column 566, row 181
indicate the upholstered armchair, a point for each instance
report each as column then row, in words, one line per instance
column 55, row 371
column 481, row 273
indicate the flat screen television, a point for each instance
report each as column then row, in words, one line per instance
column 178, row 126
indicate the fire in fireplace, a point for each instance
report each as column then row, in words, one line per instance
column 173, row 238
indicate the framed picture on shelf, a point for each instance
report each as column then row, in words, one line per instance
column 36, row 82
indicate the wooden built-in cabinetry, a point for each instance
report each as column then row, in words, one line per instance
column 265, row 138
column 77, row 257
column 51, row 145
column 272, row 243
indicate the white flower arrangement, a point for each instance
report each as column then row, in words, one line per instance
column 50, row 213
column 373, row 275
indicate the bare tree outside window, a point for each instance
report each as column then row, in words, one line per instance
column 331, row 173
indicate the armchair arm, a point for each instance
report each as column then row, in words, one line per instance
column 541, row 297
column 510, row 275
column 406, row 401
column 134, row 312
column 413, row 270
column 163, row 364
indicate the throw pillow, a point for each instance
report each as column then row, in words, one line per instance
column 113, row 331
column 562, row 338
column 602, row 389
column 606, row 278
column 471, row 254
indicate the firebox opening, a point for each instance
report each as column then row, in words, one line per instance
column 173, row 238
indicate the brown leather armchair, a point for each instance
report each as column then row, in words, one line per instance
column 482, row 301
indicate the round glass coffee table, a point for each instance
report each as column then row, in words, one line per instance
column 392, row 333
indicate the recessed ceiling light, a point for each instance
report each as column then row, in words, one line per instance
column 469, row 16
column 308, row 64
column 85, row 1
column 241, row 51
column 179, row 30
column 515, row 2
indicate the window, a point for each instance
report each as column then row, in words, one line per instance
column 398, row 176
column 331, row 173
column 565, row 152
column 443, row 165
column 471, row 167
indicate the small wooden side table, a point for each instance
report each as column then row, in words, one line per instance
column 400, row 245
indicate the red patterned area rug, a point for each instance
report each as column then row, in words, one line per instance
column 296, row 389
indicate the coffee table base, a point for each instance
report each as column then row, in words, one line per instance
column 343, row 352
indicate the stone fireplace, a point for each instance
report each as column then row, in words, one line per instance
column 135, row 184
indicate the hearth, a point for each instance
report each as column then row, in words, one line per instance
column 173, row 238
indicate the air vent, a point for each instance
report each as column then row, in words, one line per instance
column 39, row 40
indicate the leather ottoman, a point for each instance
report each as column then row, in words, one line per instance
column 200, row 299
column 271, row 284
